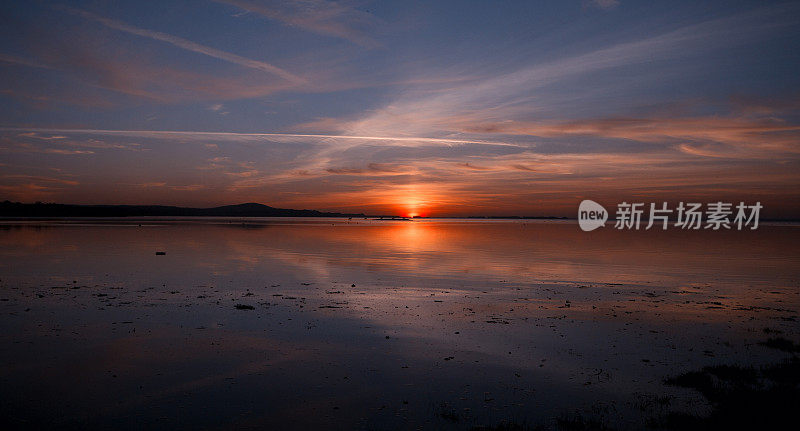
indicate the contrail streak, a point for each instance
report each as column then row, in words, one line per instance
column 188, row 45
column 168, row 133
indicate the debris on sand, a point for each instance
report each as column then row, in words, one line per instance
column 497, row 320
column 161, row 253
column 244, row 307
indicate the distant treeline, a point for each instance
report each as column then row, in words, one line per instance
column 39, row 209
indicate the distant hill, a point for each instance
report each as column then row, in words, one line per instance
column 17, row 209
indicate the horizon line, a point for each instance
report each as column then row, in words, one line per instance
column 343, row 213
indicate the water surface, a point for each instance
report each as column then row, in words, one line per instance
column 364, row 324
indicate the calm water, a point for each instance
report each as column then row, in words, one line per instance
column 444, row 324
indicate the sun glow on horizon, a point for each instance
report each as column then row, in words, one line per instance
column 413, row 206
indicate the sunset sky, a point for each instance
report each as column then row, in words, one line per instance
column 402, row 107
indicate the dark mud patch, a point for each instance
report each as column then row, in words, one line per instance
column 742, row 397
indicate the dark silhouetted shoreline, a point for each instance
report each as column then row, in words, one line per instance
column 17, row 209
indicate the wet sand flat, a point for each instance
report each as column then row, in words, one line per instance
column 361, row 324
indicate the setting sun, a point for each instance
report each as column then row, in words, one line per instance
column 413, row 207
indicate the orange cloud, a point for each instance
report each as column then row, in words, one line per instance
column 743, row 133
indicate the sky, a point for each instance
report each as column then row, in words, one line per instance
column 446, row 108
